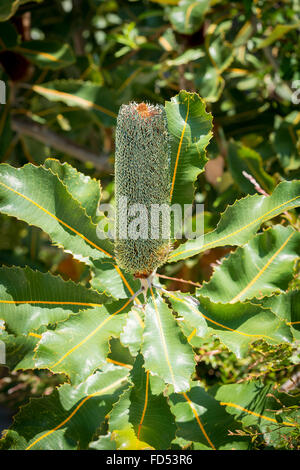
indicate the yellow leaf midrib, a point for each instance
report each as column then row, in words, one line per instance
column 90, row 335
column 217, row 323
column 161, row 333
column 56, row 218
column 179, row 149
column 100, row 392
column 239, row 407
column 194, row 411
column 83, row 102
column 205, row 246
column 261, row 271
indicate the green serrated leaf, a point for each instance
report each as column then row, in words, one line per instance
column 84, row 189
column 148, row 415
column 241, row 158
column 30, row 299
column 186, row 306
column 287, row 307
column 254, row 404
column 80, row 345
column 38, row 197
column 261, row 267
column 190, row 130
column 238, row 325
column 165, row 350
column 112, row 280
column 69, row 417
column 240, row 221
column 201, row 419
column 132, row 333
column 9, row 7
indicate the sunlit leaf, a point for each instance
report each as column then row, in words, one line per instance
column 220, row 51
column 190, row 129
column 201, row 419
column 257, row 405
column 240, row 221
column 187, row 308
column 109, row 278
column 104, row 443
column 148, row 415
column 165, row 350
column 261, row 267
column 38, row 197
column 80, row 345
column 30, row 299
column 236, row 325
column 69, row 417
column 208, row 80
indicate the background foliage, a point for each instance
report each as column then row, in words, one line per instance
column 68, row 66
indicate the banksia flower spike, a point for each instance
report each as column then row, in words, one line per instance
column 142, row 182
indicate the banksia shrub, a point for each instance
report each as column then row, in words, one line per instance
column 142, row 179
column 126, row 376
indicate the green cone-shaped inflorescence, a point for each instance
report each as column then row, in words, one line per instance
column 142, row 178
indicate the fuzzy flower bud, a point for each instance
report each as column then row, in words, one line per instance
column 142, row 180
